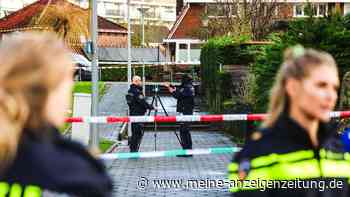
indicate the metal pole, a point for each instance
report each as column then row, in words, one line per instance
column 143, row 45
column 143, row 26
column 142, row 11
column 143, row 79
column 129, row 58
column 94, row 108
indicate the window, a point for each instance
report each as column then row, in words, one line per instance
column 113, row 9
column 277, row 10
column 215, row 10
column 314, row 9
column 169, row 10
column 168, row 13
column 233, row 9
column 152, row 12
column 318, row 10
column 220, row 10
column 183, row 46
column 322, row 9
column 299, row 10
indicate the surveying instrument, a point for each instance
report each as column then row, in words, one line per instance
column 155, row 100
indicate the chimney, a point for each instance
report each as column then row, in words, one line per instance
column 179, row 5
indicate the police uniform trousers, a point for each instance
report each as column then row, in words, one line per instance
column 185, row 135
column 136, row 136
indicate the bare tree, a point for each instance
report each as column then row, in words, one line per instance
column 262, row 14
column 241, row 17
column 67, row 21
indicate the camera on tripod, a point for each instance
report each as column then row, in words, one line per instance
column 156, row 89
column 155, row 100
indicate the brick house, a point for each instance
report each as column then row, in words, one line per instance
column 183, row 44
column 110, row 34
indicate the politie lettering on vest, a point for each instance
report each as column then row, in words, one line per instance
column 36, row 84
column 296, row 141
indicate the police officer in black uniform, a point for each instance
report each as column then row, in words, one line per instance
column 296, row 152
column 137, row 107
column 185, row 103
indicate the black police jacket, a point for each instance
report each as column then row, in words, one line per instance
column 281, row 161
column 50, row 163
column 185, row 98
column 136, row 101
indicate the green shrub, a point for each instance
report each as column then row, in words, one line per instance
column 330, row 34
column 114, row 74
column 217, row 86
column 121, row 73
column 264, row 70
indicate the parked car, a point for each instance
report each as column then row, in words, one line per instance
column 83, row 68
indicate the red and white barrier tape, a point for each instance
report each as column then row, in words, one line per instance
column 185, row 118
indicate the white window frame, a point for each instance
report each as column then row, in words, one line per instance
column 317, row 5
column 220, row 16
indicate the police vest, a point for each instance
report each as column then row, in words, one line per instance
column 301, row 165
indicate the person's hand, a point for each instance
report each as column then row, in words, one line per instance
column 167, row 84
column 172, row 89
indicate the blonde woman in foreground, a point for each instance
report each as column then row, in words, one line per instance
column 35, row 90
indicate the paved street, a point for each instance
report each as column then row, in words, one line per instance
column 112, row 104
column 127, row 173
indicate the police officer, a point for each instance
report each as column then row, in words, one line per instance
column 137, row 107
column 185, row 103
column 296, row 144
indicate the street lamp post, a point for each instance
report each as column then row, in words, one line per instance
column 94, row 109
column 143, row 10
column 129, row 57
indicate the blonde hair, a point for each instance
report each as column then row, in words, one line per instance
column 32, row 65
column 298, row 63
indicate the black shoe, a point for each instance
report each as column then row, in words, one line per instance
column 184, row 155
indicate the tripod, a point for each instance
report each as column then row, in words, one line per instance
column 155, row 100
